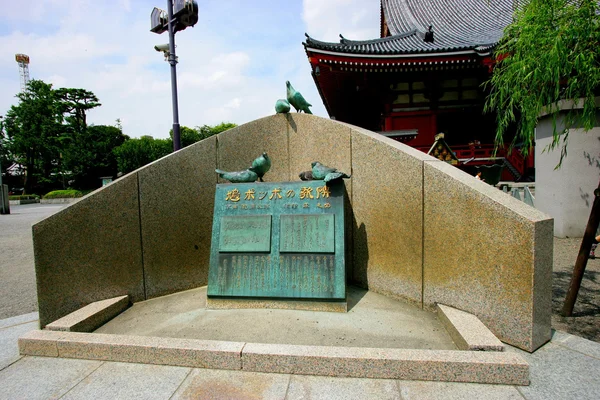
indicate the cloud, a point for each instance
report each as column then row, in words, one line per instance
column 232, row 65
column 354, row 19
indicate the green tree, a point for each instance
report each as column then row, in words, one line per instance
column 93, row 156
column 135, row 153
column 548, row 53
column 193, row 135
column 208, row 131
column 34, row 128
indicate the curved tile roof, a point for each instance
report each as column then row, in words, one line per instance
column 457, row 25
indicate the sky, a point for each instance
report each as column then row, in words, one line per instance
column 232, row 65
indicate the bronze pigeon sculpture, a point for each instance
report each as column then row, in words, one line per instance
column 296, row 99
column 282, row 106
column 325, row 173
column 247, row 175
column 306, row 176
column 261, row 165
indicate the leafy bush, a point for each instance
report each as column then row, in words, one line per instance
column 24, row 197
column 63, row 194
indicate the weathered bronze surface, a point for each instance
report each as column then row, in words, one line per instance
column 251, row 233
column 307, row 233
column 278, row 240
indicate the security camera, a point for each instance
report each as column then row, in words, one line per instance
column 162, row 47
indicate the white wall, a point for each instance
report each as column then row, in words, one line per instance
column 567, row 193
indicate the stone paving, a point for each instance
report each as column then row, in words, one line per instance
column 566, row 368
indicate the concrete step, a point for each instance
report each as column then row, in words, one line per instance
column 467, row 331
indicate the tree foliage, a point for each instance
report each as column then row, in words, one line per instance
column 135, row 153
column 33, row 128
column 548, row 53
column 192, row 135
column 47, row 132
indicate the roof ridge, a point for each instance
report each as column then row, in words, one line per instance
column 348, row 42
column 386, row 39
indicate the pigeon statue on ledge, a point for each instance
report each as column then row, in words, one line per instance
column 306, row 176
column 282, row 106
column 261, row 165
column 325, row 173
column 296, row 99
column 248, row 175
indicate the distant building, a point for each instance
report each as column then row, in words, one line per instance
column 423, row 76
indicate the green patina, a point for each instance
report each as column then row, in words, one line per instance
column 278, row 240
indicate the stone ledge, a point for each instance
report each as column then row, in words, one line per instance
column 467, row 331
column 90, row 317
column 39, row 343
column 227, row 304
column 430, row 365
column 434, row 365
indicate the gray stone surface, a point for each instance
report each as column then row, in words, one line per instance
column 90, row 251
column 17, row 273
column 113, row 381
column 387, row 191
column 467, row 331
column 488, row 254
column 400, row 238
column 321, row 387
column 238, row 147
column 372, row 321
column 414, row 390
column 176, row 202
column 19, row 319
column 318, row 139
column 92, row 316
column 39, row 343
column 43, row 378
column 9, row 351
column 430, row 365
column 217, row 384
column 559, row 373
column 576, row 343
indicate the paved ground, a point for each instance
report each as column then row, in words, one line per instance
column 18, row 293
column 565, row 368
column 373, row 320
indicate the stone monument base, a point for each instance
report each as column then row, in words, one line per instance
column 301, row 305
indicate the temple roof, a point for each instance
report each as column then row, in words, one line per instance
column 458, row 25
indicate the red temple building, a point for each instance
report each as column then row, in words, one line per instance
column 423, row 76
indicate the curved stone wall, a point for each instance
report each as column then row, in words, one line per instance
column 418, row 229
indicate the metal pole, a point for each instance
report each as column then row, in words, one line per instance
column 173, row 63
column 1, row 187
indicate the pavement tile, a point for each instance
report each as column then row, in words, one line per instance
column 559, row 373
column 320, row 387
column 114, row 381
column 417, row 390
column 223, row 384
column 19, row 319
column 43, row 377
column 9, row 349
column 576, row 343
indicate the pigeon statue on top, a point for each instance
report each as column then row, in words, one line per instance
column 261, row 165
column 247, row 175
column 282, row 106
column 325, row 173
column 296, row 99
column 306, row 176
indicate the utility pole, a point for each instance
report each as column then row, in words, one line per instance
column 176, row 18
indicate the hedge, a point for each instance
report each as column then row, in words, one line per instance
column 63, row 194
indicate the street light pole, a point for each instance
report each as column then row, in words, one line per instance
column 173, row 63
column 2, row 199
